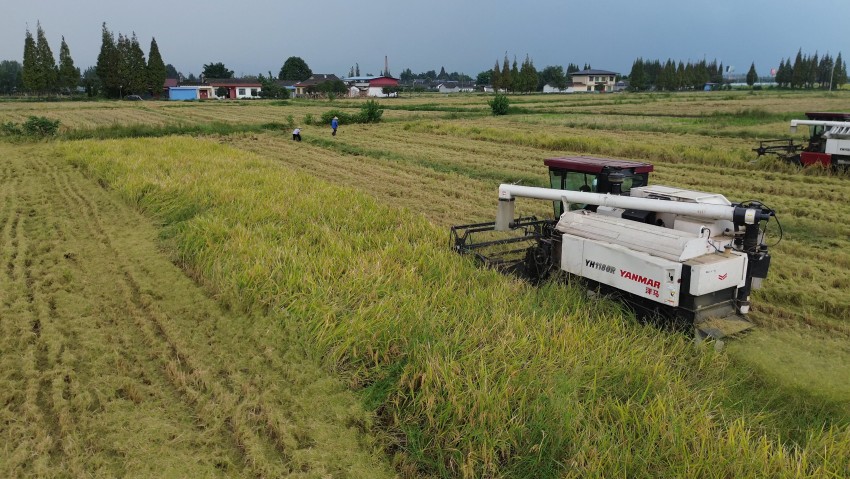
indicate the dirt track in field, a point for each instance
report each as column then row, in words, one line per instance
column 113, row 362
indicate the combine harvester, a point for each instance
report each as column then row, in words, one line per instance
column 685, row 256
column 828, row 146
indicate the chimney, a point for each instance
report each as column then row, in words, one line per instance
column 386, row 66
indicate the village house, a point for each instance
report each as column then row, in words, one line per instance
column 547, row 88
column 190, row 92
column 369, row 85
column 594, row 80
column 304, row 87
column 235, row 88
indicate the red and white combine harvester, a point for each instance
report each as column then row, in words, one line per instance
column 828, row 145
column 684, row 256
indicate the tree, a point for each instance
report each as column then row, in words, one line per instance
column 506, row 81
column 528, row 74
column 484, row 78
column 839, row 76
column 11, row 78
column 296, row 69
column 170, row 71
column 45, row 65
column 516, row 81
column 69, row 75
column 798, row 74
column 332, row 86
column 443, row 75
column 108, row 63
column 137, row 68
column 29, row 71
column 270, row 88
column 91, row 82
column 156, row 70
column 406, row 76
column 554, row 76
column 752, row 76
column 637, row 78
column 356, row 70
column 499, row 104
column 216, row 70
column 496, row 77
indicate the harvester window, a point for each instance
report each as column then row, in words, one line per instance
column 572, row 181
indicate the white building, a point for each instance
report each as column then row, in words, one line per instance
column 594, row 80
column 547, row 88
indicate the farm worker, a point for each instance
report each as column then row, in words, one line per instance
column 296, row 134
column 334, row 125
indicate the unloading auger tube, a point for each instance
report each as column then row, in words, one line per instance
column 831, row 124
column 747, row 218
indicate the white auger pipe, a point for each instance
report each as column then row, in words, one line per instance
column 796, row 123
column 508, row 192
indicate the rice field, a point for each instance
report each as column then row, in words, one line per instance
column 336, row 250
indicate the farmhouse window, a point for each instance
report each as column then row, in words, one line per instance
column 253, row 92
column 241, row 92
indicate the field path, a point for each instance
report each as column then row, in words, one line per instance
column 114, row 363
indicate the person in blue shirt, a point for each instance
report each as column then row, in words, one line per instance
column 334, row 125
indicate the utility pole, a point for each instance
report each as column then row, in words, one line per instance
column 831, row 72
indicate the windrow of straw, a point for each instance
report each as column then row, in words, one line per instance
column 472, row 373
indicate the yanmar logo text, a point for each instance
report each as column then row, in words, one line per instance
column 600, row 266
column 640, row 279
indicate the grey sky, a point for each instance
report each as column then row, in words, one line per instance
column 465, row 36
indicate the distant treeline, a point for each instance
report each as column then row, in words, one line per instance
column 121, row 68
column 806, row 72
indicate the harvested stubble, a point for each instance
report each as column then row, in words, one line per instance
column 480, row 375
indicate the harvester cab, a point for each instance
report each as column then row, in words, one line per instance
column 589, row 174
column 688, row 257
column 828, row 143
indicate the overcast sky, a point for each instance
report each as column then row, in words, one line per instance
column 466, row 36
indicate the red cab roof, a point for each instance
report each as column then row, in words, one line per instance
column 589, row 164
column 828, row 116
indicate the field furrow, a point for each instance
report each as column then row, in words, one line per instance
column 115, row 363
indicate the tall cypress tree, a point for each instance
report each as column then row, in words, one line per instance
column 839, row 77
column 516, row 80
column 798, row 74
column 637, row 77
column 45, row 63
column 507, row 80
column 69, row 75
column 108, row 68
column 496, row 77
column 137, row 81
column 752, row 76
column 156, row 70
column 122, row 47
column 30, row 67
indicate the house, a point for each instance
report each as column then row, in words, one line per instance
column 235, row 88
column 454, row 87
column 621, row 86
column 169, row 82
column 370, row 85
column 448, row 87
column 547, row 88
column 308, row 85
column 594, row 80
column 288, row 85
column 190, row 92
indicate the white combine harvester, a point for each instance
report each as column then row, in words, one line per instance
column 687, row 256
column 828, row 144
